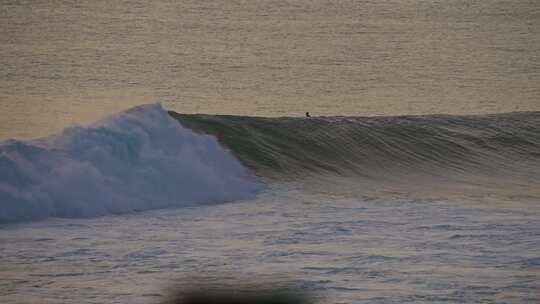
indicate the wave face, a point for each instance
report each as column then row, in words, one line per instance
column 499, row 149
column 136, row 160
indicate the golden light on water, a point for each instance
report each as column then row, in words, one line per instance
column 71, row 63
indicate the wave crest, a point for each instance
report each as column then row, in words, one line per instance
column 135, row 160
column 416, row 156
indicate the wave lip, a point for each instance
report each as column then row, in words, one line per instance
column 375, row 145
column 420, row 157
column 135, row 160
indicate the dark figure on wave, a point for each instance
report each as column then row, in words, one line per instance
column 307, row 114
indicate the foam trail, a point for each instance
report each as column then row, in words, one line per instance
column 135, row 160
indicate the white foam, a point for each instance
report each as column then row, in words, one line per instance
column 135, row 160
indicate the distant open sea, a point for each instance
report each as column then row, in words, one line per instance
column 144, row 144
column 66, row 62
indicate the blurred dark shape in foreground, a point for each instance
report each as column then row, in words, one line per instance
column 236, row 297
column 236, row 293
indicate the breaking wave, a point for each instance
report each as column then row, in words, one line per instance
column 144, row 159
column 368, row 145
column 135, row 160
column 501, row 151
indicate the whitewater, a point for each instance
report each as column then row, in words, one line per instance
column 404, row 209
column 136, row 160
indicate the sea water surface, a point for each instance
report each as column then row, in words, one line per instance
column 339, row 249
column 73, row 61
column 438, row 207
column 452, row 215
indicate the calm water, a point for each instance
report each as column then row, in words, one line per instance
column 69, row 62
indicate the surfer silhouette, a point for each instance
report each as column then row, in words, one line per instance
column 307, row 114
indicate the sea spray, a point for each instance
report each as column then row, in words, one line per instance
column 135, row 160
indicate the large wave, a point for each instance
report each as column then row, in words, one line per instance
column 499, row 151
column 135, row 160
column 143, row 159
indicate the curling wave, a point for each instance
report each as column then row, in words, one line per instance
column 135, row 160
column 344, row 144
column 502, row 150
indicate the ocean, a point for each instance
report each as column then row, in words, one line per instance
column 149, row 146
column 72, row 62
